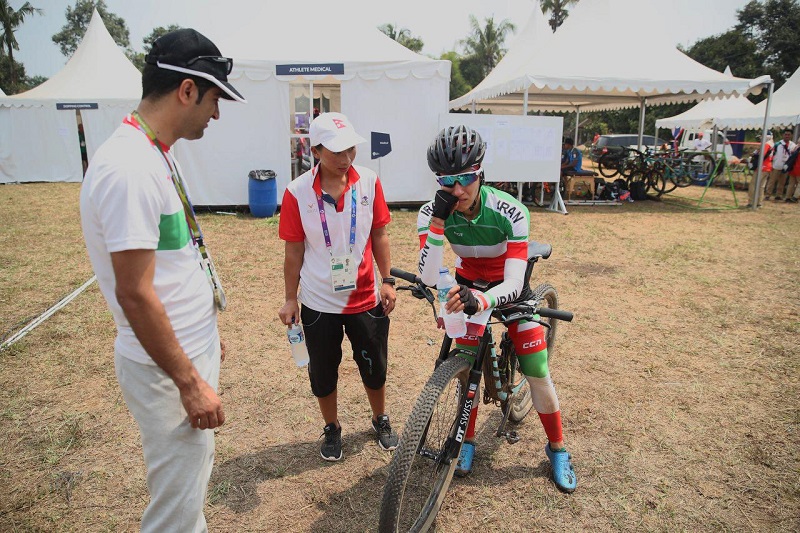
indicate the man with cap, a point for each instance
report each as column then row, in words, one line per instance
column 333, row 219
column 156, row 274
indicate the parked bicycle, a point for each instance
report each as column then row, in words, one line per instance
column 425, row 459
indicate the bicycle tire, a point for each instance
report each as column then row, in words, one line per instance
column 631, row 164
column 425, row 427
column 608, row 165
column 549, row 295
column 519, row 405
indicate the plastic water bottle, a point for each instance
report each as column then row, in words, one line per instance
column 297, row 341
column 455, row 324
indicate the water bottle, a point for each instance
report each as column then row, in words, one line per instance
column 455, row 324
column 297, row 342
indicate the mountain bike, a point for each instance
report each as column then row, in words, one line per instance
column 427, row 453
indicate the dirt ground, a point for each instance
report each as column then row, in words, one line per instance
column 678, row 382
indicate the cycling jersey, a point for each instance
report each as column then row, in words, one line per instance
column 493, row 246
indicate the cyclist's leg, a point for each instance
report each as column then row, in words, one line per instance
column 531, row 347
column 467, row 454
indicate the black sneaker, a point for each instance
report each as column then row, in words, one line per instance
column 331, row 449
column 387, row 439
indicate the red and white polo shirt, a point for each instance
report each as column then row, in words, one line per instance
column 300, row 222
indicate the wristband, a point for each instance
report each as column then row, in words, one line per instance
column 388, row 280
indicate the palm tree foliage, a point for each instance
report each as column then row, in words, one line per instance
column 558, row 11
column 486, row 43
column 10, row 20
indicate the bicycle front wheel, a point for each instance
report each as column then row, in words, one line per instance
column 426, row 456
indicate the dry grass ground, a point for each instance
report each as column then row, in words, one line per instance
column 678, row 381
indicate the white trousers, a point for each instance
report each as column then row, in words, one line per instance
column 178, row 458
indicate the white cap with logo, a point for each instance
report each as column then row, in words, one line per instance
column 335, row 132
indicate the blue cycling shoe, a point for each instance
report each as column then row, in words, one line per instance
column 563, row 473
column 464, row 466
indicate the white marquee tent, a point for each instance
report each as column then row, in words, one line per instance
column 631, row 66
column 784, row 109
column 39, row 141
column 384, row 88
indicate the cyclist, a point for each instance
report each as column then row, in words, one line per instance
column 488, row 231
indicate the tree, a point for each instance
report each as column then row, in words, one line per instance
column 458, row 85
column 10, row 21
column 78, row 20
column 558, row 11
column 486, row 44
column 402, row 36
column 138, row 58
column 732, row 48
column 774, row 26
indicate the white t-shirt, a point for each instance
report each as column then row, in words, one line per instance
column 782, row 152
column 701, row 144
column 128, row 202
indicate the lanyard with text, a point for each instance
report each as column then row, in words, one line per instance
column 135, row 120
column 343, row 268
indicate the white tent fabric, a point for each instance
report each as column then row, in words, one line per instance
column 2, row 93
column 784, row 110
column 637, row 65
column 40, row 142
column 385, row 88
column 709, row 113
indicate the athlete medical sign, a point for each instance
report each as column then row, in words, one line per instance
column 309, row 69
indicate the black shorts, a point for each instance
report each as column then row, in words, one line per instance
column 369, row 336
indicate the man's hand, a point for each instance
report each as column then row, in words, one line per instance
column 443, row 204
column 388, row 297
column 202, row 405
column 290, row 312
column 461, row 298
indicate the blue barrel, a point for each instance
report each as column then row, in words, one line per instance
column 262, row 193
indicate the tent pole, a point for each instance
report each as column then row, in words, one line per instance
column 642, row 106
column 525, row 102
column 577, row 121
column 473, row 107
column 757, row 193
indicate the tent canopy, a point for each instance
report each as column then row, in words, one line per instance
column 784, row 110
column 98, row 70
column 630, row 65
column 383, row 87
column 39, row 141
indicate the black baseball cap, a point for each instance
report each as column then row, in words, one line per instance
column 190, row 52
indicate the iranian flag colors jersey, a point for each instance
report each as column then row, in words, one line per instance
column 493, row 246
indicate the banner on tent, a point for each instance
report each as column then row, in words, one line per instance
column 62, row 107
column 310, row 69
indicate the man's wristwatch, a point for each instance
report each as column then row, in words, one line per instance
column 390, row 280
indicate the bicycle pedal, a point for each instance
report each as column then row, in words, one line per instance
column 511, row 437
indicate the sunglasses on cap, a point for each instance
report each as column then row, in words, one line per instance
column 462, row 179
column 217, row 61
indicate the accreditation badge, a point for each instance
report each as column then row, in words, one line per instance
column 343, row 273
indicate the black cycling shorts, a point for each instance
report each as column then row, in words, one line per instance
column 369, row 336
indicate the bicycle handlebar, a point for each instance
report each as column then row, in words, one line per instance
column 406, row 276
column 558, row 314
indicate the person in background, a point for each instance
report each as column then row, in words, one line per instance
column 488, row 231
column 777, row 177
column 155, row 273
column 766, row 168
column 701, row 144
column 794, row 174
column 334, row 219
column 571, row 157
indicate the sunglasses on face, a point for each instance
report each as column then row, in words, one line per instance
column 462, row 179
column 225, row 62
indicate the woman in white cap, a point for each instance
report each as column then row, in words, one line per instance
column 333, row 219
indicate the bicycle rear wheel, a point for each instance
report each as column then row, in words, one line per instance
column 549, row 297
column 608, row 165
column 426, row 456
